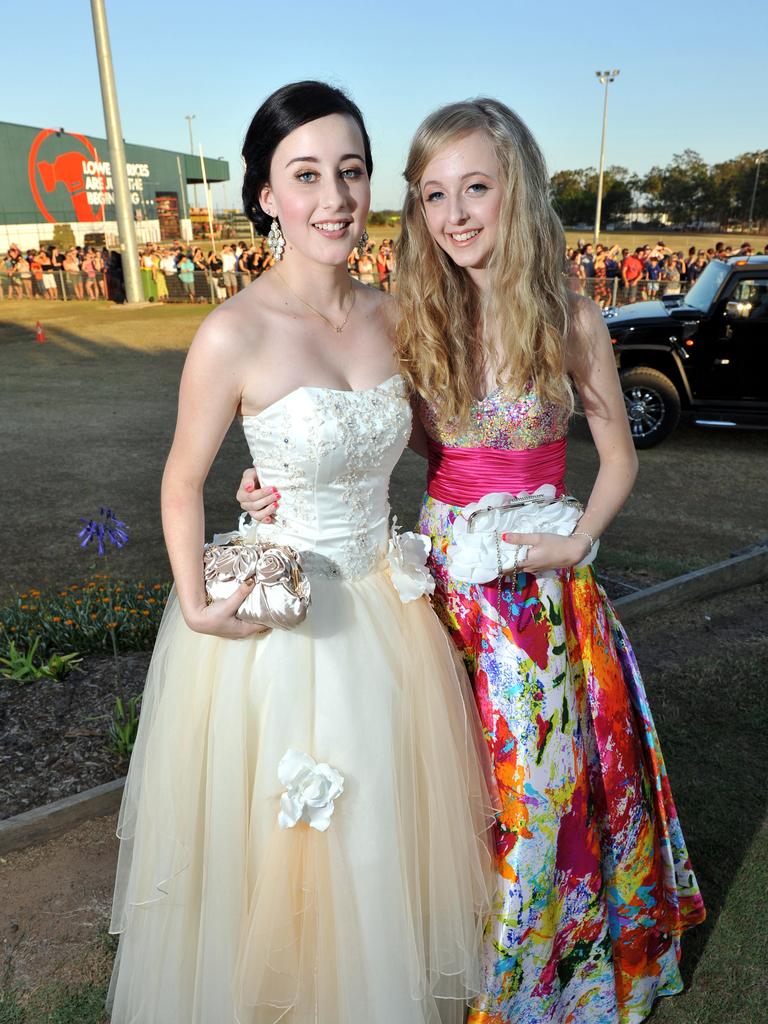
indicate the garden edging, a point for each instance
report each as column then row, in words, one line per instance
column 51, row 820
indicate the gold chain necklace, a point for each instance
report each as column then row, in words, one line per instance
column 317, row 311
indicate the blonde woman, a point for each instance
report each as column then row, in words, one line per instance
column 594, row 884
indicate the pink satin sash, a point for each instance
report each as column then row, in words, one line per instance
column 460, row 476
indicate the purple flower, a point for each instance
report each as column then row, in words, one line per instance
column 106, row 529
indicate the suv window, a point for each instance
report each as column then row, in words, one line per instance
column 753, row 295
column 707, row 286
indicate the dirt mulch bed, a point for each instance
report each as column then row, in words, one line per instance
column 55, row 733
column 55, row 740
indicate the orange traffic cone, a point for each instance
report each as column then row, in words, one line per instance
column 39, row 333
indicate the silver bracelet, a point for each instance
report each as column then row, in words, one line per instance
column 583, row 533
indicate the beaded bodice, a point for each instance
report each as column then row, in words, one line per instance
column 330, row 454
column 499, row 421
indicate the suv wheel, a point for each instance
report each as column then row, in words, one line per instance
column 653, row 405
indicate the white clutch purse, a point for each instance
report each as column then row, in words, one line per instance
column 478, row 554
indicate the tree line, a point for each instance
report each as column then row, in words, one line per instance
column 687, row 193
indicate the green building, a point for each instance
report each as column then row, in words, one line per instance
column 51, row 177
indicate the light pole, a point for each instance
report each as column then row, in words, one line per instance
column 605, row 78
column 123, row 205
column 189, row 118
column 758, row 161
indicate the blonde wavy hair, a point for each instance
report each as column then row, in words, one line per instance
column 447, row 333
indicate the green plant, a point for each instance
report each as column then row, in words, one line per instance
column 124, row 725
column 60, row 665
column 21, row 666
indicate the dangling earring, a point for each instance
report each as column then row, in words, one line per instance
column 276, row 240
column 363, row 241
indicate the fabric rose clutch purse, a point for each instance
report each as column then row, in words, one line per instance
column 478, row 554
column 281, row 595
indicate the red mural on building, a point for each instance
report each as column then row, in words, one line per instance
column 64, row 169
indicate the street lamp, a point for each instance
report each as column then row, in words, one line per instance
column 758, row 161
column 123, row 205
column 189, row 118
column 605, row 78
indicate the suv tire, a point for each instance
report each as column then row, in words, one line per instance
column 653, row 405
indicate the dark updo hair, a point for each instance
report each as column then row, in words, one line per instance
column 281, row 113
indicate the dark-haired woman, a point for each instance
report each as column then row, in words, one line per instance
column 303, row 823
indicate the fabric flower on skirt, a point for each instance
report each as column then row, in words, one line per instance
column 407, row 557
column 311, row 789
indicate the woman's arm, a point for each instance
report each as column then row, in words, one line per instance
column 418, row 439
column 208, row 399
column 592, row 366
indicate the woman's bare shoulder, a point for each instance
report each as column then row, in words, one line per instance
column 235, row 325
column 377, row 303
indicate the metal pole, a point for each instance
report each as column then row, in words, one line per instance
column 189, row 119
column 183, row 193
column 208, row 198
column 754, row 190
column 605, row 78
column 123, row 206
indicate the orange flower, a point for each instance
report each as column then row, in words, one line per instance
column 56, row 618
column 63, row 593
column 94, row 615
column 139, row 597
column 145, row 611
column 68, row 622
column 78, row 601
column 111, row 625
column 35, row 593
column 156, row 586
column 133, row 611
column 25, row 607
column 152, row 600
column 105, row 600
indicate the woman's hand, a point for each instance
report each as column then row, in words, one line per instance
column 548, row 551
column 259, row 502
column 218, row 618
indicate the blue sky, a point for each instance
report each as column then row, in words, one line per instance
column 693, row 75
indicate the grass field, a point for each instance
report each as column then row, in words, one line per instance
column 631, row 239
column 87, row 419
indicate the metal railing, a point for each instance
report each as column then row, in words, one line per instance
column 213, row 287
column 612, row 291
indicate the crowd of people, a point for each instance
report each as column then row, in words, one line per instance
column 374, row 268
column 176, row 272
column 79, row 272
column 180, row 273
column 609, row 273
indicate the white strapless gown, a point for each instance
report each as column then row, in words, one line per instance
column 227, row 918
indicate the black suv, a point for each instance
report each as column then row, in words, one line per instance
column 703, row 354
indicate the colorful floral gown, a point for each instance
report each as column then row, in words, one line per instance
column 595, row 885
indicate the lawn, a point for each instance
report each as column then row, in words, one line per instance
column 87, row 419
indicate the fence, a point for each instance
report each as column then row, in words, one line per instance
column 613, row 292
column 210, row 287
